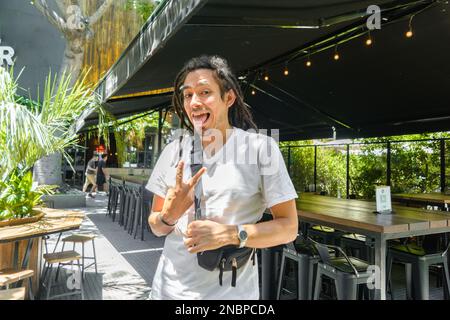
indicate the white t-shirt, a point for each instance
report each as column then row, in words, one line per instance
column 243, row 178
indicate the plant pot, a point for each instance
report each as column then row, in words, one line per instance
column 16, row 221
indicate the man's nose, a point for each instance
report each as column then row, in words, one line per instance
column 195, row 101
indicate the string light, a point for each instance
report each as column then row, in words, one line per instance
column 253, row 92
column 308, row 62
column 409, row 33
column 369, row 40
column 336, row 54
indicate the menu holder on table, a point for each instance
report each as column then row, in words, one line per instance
column 383, row 200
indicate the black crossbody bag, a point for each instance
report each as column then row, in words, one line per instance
column 227, row 258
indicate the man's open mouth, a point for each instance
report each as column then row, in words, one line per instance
column 200, row 118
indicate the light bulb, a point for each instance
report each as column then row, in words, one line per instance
column 336, row 56
column 409, row 33
column 266, row 77
column 308, row 63
column 368, row 41
column 253, row 92
column 286, row 72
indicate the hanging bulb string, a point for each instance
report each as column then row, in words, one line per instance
column 307, row 52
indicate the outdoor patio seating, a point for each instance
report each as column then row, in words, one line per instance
column 417, row 263
column 348, row 273
column 82, row 238
column 304, row 255
column 13, row 277
column 61, row 258
column 115, row 189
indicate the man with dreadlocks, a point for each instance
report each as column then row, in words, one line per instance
column 235, row 190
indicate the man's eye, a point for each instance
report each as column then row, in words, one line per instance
column 188, row 95
column 205, row 92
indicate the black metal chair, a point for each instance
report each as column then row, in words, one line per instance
column 418, row 261
column 348, row 273
column 304, row 255
column 114, row 199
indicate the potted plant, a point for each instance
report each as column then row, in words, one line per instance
column 29, row 133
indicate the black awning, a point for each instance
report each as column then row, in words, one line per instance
column 395, row 86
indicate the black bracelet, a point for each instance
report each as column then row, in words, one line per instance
column 166, row 223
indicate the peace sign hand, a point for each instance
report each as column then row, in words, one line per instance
column 180, row 198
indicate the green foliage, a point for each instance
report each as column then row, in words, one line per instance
column 143, row 7
column 19, row 196
column 120, row 147
column 415, row 166
column 32, row 131
column 28, row 133
column 367, row 169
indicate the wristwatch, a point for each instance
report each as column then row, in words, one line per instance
column 242, row 236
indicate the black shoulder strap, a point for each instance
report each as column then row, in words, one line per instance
column 196, row 165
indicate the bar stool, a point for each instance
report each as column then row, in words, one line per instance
column 81, row 238
column 131, row 209
column 124, row 203
column 12, row 276
column 13, row 294
column 417, row 258
column 303, row 255
column 136, row 214
column 117, row 201
column 61, row 258
column 111, row 196
column 147, row 198
column 348, row 273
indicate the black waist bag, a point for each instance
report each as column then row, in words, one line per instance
column 228, row 258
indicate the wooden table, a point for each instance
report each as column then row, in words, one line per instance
column 434, row 199
column 20, row 239
column 358, row 216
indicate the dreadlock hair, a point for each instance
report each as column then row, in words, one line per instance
column 239, row 113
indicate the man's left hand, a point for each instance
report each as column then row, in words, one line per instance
column 203, row 235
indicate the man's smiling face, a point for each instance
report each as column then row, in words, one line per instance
column 203, row 102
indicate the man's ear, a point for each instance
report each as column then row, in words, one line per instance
column 230, row 98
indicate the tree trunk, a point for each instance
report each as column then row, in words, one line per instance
column 48, row 170
column 73, row 58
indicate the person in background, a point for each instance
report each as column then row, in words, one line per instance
column 102, row 173
column 91, row 172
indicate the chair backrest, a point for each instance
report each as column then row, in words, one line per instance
column 322, row 250
column 325, row 257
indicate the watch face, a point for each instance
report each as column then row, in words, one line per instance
column 243, row 235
